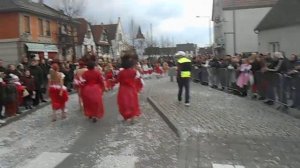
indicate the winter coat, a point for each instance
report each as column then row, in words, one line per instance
column 37, row 74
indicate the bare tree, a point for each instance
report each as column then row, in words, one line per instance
column 72, row 8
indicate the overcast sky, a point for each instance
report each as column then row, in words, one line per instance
column 173, row 19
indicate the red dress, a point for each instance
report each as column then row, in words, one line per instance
column 58, row 101
column 128, row 100
column 20, row 90
column 158, row 70
column 91, row 94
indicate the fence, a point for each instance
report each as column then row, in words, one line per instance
column 275, row 87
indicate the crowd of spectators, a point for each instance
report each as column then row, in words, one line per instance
column 270, row 77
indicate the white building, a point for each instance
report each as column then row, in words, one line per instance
column 280, row 29
column 140, row 44
column 86, row 41
column 116, row 38
column 234, row 22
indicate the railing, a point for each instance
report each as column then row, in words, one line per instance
column 275, row 87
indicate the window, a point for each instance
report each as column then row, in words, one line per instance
column 274, row 47
column 26, row 24
column 41, row 27
column 48, row 32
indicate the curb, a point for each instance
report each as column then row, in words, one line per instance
column 23, row 114
column 170, row 123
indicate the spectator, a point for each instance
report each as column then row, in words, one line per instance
column 2, row 68
column 11, row 69
column 2, row 95
column 293, row 71
column 277, row 65
column 25, row 62
column 11, row 98
column 37, row 73
column 256, row 67
column 21, row 69
column 29, row 83
column 45, row 69
column 69, row 76
column 244, row 77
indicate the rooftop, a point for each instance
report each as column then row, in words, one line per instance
column 244, row 4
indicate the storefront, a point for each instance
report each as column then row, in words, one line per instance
column 47, row 51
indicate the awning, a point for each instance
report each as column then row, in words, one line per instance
column 35, row 47
column 51, row 48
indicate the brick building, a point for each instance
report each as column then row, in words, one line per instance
column 29, row 28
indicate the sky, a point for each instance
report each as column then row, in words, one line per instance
column 171, row 19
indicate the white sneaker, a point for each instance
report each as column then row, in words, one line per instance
column 187, row 104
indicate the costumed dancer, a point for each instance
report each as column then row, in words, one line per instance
column 92, row 93
column 78, row 81
column 109, row 77
column 128, row 100
column 57, row 91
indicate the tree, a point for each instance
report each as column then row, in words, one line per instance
column 72, row 8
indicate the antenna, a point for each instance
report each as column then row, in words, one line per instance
column 151, row 34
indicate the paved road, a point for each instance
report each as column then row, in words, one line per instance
column 220, row 128
column 77, row 143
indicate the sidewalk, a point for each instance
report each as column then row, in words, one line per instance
column 225, row 129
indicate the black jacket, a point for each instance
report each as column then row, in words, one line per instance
column 37, row 74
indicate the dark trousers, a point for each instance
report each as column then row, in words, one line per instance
column 184, row 83
column 1, row 108
column 38, row 96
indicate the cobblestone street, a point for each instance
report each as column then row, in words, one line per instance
column 225, row 129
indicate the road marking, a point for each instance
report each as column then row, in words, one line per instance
column 47, row 160
column 118, row 162
column 226, row 166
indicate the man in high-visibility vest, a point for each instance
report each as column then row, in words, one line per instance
column 184, row 68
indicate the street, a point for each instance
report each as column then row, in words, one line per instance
column 77, row 142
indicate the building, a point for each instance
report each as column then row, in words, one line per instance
column 140, row 44
column 103, row 48
column 188, row 48
column 280, row 29
column 234, row 22
column 86, row 42
column 116, row 38
column 30, row 29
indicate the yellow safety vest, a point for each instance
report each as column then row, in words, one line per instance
column 185, row 74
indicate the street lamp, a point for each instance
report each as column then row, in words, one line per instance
column 209, row 28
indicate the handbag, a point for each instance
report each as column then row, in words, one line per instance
column 25, row 93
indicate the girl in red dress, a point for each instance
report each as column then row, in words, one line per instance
column 92, row 93
column 57, row 91
column 128, row 100
column 158, row 70
column 109, row 77
column 78, row 81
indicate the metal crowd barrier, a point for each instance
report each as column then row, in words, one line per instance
column 280, row 88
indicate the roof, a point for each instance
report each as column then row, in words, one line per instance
column 140, row 34
column 97, row 31
column 285, row 13
column 82, row 29
column 245, row 4
column 32, row 7
column 111, row 31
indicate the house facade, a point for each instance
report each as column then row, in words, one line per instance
column 280, row 29
column 116, row 37
column 103, row 48
column 189, row 48
column 234, row 22
column 29, row 29
column 86, row 42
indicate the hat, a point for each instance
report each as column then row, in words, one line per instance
column 14, row 77
column 180, row 53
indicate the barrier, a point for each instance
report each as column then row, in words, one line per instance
column 274, row 87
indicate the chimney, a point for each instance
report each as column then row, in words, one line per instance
column 119, row 19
